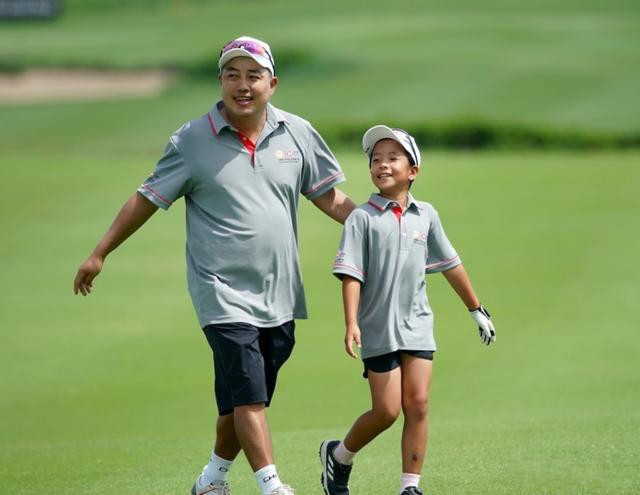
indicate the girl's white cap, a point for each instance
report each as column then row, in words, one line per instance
column 379, row 132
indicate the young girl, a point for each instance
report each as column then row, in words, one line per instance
column 387, row 246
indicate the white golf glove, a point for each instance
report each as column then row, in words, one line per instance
column 483, row 319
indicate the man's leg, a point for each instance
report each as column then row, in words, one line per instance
column 252, row 432
column 213, row 479
column 227, row 444
column 250, row 420
column 245, row 373
column 247, row 429
column 225, row 341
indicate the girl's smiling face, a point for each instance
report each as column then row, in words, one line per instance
column 391, row 171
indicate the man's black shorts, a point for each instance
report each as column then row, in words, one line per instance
column 388, row 362
column 246, row 361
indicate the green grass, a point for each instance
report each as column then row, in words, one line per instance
column 562, row 65
column 112, row 393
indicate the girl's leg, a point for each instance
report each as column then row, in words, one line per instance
column 385, row 408
column 416, row 378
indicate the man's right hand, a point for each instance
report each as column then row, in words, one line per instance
column 86, row 273
column 131, row 216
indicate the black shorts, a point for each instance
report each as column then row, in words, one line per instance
column 388, row 362
column 246, row 361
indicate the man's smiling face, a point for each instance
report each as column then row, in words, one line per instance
column 247, row 87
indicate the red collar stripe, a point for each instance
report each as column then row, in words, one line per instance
column 397, row 211
column 213, row 127
column 249, row 145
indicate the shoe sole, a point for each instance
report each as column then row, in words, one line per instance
column 195, row 492
column 323, row 460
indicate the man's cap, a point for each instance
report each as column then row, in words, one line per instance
column 245, row 46
column 379, row 132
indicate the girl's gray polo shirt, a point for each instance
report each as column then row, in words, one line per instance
column 390, row 253
column 241, row 209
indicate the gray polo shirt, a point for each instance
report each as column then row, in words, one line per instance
column 390, row 253
column 241, row 212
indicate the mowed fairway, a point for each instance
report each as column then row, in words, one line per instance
column 111, row 393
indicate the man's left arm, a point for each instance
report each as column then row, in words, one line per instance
column 335, row 204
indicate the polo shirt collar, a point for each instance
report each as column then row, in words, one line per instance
column 382, row 203
column 217, row 122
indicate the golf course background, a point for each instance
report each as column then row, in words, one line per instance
column 112, row 393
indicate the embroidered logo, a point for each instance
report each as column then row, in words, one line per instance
column 419, row 236
column 339, row 258
column 289, row 156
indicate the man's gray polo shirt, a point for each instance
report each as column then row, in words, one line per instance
column 390, row 253
column 241, row 209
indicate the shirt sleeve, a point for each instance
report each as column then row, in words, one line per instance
column 321, row 170
column 441, row 254
column 351, row 258
column 170, row 179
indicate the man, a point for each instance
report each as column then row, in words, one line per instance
column 240, row 168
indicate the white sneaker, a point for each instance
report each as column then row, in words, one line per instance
column 215, row 488
column 282, row 490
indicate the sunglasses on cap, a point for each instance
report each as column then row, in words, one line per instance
column 251, row 47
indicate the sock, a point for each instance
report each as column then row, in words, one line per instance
column 217, row 469
column 342, row 454
column 267, row 478
column 409, row 479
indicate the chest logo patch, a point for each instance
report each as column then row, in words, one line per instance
column 288, row 156
column 419, row 236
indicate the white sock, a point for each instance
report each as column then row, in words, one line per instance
column 342, row 454
column 217, row 469
column 409, row 479
column 267, row 479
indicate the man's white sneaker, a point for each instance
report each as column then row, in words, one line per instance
column 215, row 488
column 282, row 490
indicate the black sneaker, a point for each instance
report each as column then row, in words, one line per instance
column 335, row 476
column 411, row 490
